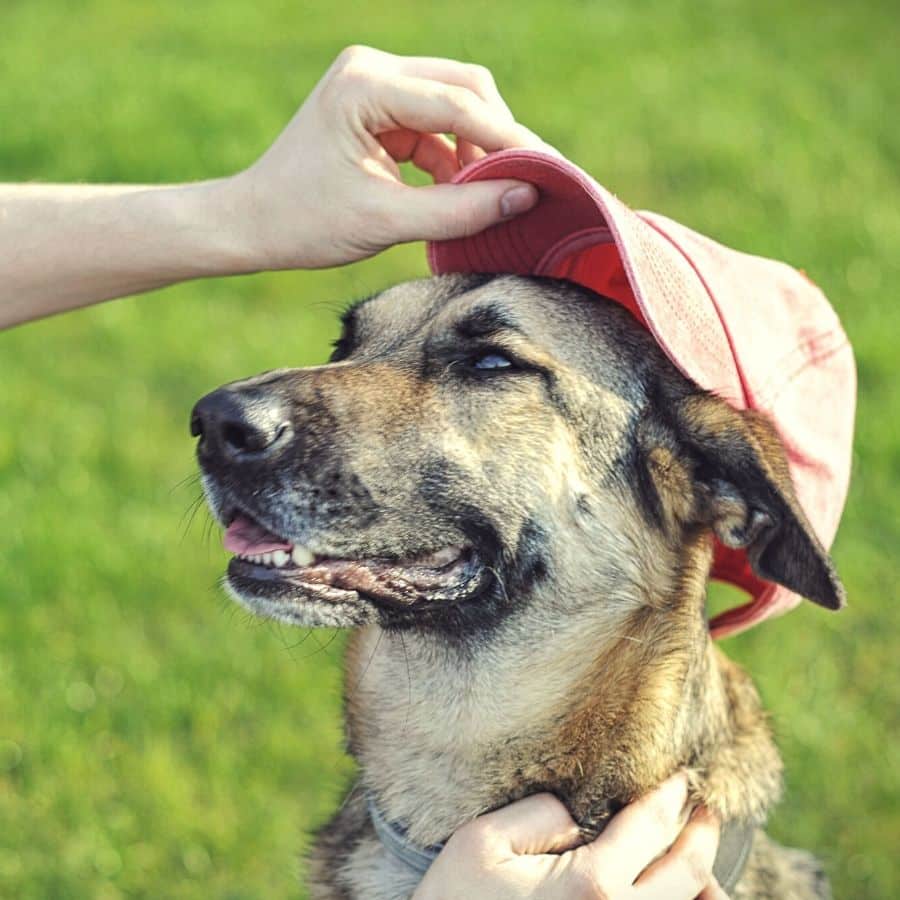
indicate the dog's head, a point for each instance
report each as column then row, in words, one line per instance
column 476, row 442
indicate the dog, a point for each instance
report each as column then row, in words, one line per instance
column 509, row 493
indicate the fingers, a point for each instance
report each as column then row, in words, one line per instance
column 432, row 153
column 538, row 824
column 468, row 152
column 339, row 158
column 475, row 78
column 445, row 211
column 686, row 869
column 713, row 891
column 441, row 108
column 425, row 94
column 657, row 818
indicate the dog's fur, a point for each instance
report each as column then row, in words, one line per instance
column 590, row 478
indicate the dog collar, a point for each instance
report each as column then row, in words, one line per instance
column 396, row 841
column 735, row 843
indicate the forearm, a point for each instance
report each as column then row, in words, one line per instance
column 327, row 192
column 67, row 246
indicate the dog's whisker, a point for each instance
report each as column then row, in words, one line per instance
column 278, row 627
column 304, row 639
column 408, row 682
column 358, row 684
column 188, row 516
column 500, row 582
column 291, row 647
column 191, row 479
column 332, row 639
column 332, row 304
column 321, row 647
column 193, row 504
column 210, row 525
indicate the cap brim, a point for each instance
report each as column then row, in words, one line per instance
column 570, row 233
column 580, row 231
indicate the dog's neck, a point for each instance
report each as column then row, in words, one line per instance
column 596, row 709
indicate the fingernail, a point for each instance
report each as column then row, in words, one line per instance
column 518, row 200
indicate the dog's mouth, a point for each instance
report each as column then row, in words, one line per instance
column 276, row 576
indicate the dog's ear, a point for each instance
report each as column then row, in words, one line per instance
column 732, row 476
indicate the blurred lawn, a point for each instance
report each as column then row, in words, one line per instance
column 157, row 742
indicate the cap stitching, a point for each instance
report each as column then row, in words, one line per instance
column 519, row 245
column 584, row 239
column 712, row 298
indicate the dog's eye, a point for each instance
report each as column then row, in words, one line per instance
column 492, row 361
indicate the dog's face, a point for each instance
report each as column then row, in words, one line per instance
column 476, row 442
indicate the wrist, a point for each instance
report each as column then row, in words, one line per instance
column 210, row 218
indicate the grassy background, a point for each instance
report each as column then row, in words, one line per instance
column 156, row 742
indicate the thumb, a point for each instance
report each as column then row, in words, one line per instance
column 538, row 824
column 713, row 891
column 442, row 211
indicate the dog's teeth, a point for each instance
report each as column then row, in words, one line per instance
column 257, row 558
column 267, row 559
column 440, row 557
column 280, row 558
column 301, row 555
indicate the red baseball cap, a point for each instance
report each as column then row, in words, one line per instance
column 753, row 331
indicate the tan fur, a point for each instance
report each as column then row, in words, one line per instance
column 600, row 679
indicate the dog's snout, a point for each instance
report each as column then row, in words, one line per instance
column 239, row 424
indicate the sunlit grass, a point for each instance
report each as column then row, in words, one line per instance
column 155, row 741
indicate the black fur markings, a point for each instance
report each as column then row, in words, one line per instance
column 509, row 571
column 485, row 322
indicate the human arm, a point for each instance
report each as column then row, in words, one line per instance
column 327, row 192
column 647, row 852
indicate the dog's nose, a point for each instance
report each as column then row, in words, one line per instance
column 239, row 424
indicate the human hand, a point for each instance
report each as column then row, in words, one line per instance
column 524, row 850
column 329, row 191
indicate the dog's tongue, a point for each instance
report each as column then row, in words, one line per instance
column 250, row 538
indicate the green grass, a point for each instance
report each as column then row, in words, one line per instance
column 155, row 741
